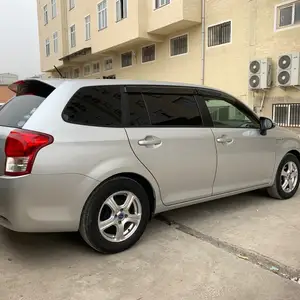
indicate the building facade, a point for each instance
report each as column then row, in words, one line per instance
column 210, row 42
column 5, row 80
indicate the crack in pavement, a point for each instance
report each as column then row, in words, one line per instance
column 256, row 258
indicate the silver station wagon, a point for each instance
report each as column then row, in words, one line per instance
column 103, row 156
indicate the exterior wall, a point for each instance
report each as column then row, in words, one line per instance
column 8, row 78
column 5, row 94
column 226, row 66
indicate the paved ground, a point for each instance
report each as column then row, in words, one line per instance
column 195, row 258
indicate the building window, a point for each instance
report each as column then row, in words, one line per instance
column 160, row 3
column 121, row 9
column 108, row 64
column 148, row 53
column 55, row 42
column 71, row 4
column 96, row 68
column 126, row 59
column 219, row 34
column 102, row 15
column 179, row 45
column 45, row 15
column 87, row 70
column 288, row 15
column 76, row 73
column 53, row 6
column 65, row 74
column 87, row 21
column 287, row 115
column 73, row 36
column 47, row 47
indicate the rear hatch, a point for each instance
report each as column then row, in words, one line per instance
column 16, row 112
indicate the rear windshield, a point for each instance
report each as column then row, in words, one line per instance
column 18, row 110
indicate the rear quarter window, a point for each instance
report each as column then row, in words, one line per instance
column 95, row 106
column 18, row 110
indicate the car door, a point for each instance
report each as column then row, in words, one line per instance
column 246, row 158
column 166, row 133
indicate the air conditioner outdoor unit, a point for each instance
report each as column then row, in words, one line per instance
column 288, row 69
column 260, row 74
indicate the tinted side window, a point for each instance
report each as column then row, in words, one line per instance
column 138, row 112
column 227, row 115
column 95, row 106
column 173, row 110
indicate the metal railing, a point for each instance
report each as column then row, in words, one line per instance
column 286, row 114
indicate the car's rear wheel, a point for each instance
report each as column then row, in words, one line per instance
column 287, row 178
column 115, row 216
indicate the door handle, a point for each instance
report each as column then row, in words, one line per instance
column 150, row 140
column 224, row 139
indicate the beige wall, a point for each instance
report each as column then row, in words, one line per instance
column 226, row 66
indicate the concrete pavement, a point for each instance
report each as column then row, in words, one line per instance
column 168, row 263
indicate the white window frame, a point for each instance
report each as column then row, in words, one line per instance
column 46, row 16
column 151, row 61
column 95, row 62
column 87, row 27
column 53, row 9
column 77, row 68
column 277, row 15
column 162, row 3
column 216, row 24
column 112, row 64
column 71, row 44
column 47, row 47
column 188, row 45
column 55, row 42
column 130, row 51
column 89, row 73
column 72, row 4
column 102, row 11
column 118, row 18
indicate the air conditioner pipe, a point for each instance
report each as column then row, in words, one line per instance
column 202, row 41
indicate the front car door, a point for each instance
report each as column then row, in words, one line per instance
column 166, row 133
column 246, row 158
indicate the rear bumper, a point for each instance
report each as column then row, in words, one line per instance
column 43, row 203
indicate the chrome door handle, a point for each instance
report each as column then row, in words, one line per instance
column 224, row 140
column 150, row 140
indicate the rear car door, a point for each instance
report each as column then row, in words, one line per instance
column 166, row 133
column 246, row 158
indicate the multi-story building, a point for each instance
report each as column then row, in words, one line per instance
column 210, row 42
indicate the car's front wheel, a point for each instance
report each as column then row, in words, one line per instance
column 115, row 216
column 287, row 178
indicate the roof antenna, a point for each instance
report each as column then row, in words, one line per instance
column 61, row 76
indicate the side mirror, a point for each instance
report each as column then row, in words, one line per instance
column 265, row 124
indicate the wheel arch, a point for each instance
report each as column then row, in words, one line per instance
column 296, row 153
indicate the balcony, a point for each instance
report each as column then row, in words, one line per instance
column 176, row 16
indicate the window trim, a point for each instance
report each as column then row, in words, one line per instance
column 98, row 11
column 55, row 32
column 216, row 24
column 90, row 73
column 45, row 12
column 107, row 58
column 117, row 21
column 234, row 102
column 131, row 51
column 188, row 44
column 93, row 63
column 85, row 25
column 47, row 42
column 277, row 16
column 71, row 36
column 53, row 2
column 156, row 8
column 155, row 52
column 72, row 7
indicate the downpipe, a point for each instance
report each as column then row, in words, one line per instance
column 202, row 41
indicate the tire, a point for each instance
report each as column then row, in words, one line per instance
column 276, row 190
column 109, row 241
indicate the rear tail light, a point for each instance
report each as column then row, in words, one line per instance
column 21, row 148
